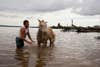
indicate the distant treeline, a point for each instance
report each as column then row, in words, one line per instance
column 16, row 26
column 75, row 28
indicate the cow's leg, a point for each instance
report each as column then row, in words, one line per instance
column 51, row 42
column 45, row 43
column 39, row 43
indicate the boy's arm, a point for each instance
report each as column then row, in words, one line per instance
column 29, row 36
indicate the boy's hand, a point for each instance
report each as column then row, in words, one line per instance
column 33, row 41
column 29, row 42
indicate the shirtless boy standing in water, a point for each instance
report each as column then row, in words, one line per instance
column 24, row 31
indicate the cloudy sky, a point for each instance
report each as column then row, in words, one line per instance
column 83, row 12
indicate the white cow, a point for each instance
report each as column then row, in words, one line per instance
column 44, row 34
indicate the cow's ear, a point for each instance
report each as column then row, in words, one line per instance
column 39, row 20
column 42, row 20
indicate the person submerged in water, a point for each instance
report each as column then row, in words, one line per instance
column 24, row 31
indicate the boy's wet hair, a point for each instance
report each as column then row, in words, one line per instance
column 25, row 21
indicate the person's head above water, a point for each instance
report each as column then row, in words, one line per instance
column 26, row 23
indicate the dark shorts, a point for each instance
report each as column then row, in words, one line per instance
column 19, row 42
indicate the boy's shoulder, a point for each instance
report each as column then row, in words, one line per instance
column 22, row 28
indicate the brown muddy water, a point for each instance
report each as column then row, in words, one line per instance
column 71, row 50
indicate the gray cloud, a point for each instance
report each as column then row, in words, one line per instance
column 35, row 5
column 84, row 7
column 88, row 7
